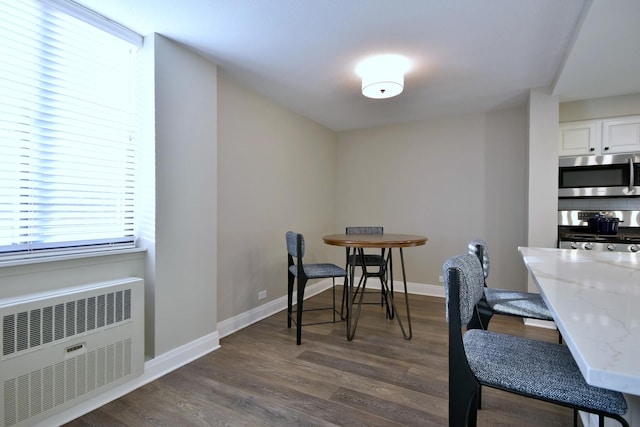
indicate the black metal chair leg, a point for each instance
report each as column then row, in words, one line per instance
column 334, row 299
column 472, row 420
column 301, row 287
column 344, row 297
column 290, row 299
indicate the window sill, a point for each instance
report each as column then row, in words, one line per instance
column 68, row 257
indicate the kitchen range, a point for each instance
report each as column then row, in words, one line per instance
column 614, row 231
column 591, row 189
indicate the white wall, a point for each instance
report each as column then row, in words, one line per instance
column 186, row 197
column 597, row 108
column 542, row 170
column 52, row 275
column 451, row 179
column 276, row 172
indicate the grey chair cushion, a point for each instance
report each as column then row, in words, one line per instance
column 292, row 244
column 319, row 271
column 471, row 283
column 313, row 271
column 504, row 301
column 535, row 368
column 523, row 304
column 364, row 230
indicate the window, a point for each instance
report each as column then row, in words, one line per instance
column 68, row 129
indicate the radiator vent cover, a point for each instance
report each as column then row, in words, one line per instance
column 40, row 326
column 64, row 347
column 44, row 389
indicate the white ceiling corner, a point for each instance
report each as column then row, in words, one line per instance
column 468, row 55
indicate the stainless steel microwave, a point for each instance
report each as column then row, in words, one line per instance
column 599, row 176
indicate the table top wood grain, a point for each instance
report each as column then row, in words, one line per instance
column 385, row 240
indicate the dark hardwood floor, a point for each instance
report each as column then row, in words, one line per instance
column 261, row 378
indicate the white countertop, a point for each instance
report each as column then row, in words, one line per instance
column 595, row 300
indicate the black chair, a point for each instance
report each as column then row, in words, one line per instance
column 303, row 273
column 375, row 265
column 540, row 370
column 503, row 301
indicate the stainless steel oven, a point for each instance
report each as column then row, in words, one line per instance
column 576, row 231
column 599, row 176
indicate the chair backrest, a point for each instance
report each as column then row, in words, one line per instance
column 364, row 230
column 479, row 248
column 463, row 272
column 292, row 244
column 464, row 286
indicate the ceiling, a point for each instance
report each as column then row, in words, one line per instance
column 604, row 60
column 467, row 55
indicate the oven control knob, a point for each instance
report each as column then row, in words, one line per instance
column 611, row 247
column 574, row 245
column 588, row 246
column 634, row 248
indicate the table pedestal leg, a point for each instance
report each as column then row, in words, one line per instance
column 391, row 296
column 352, row 318
column 351, row 327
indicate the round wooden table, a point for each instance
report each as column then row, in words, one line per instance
column 375, row 240
column 357, row 243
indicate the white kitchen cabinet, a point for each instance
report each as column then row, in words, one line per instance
column 598, row 137
column 621, row 135
column 579, row 138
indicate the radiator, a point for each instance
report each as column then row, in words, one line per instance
column 63, row 347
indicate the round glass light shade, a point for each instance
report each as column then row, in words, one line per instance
column 379, row 87
column 382, row 75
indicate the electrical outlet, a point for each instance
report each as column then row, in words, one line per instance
column 441, row 279
column 262, row 294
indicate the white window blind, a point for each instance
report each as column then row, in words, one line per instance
column 67, row 133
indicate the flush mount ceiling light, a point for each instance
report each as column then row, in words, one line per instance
column 383, row 75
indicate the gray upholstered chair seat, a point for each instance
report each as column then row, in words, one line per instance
column 535, row 368
column 523, row 304
column 504, row 301
column 320, row 271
